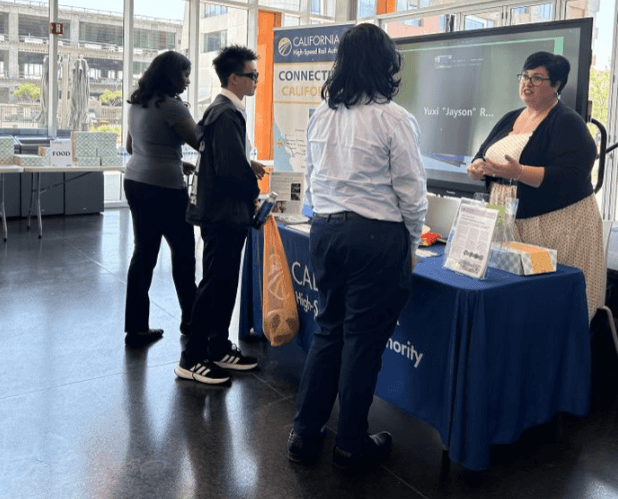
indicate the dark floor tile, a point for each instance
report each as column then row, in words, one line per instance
column 85, row 416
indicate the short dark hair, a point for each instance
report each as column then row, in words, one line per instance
column 163, row 77
column 365, row 70
column 231, row 60
column 557, row 67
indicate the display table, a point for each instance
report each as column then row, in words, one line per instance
column 3, row 170
column 36, row 191
column 479, row 360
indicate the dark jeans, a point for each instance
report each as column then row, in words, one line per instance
column 216, row 293
column 158, row 212
column 363, row 272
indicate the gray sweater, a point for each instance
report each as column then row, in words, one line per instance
column 157, row 156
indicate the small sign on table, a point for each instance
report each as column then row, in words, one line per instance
column 61, row 153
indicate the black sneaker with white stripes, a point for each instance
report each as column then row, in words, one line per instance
column 203, row 371
column 234, row 359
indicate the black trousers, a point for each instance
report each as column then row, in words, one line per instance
column 364, row 275
column 216, row 293
column 158, row 212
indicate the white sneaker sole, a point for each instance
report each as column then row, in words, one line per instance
column 186, row 374
column 235, row 367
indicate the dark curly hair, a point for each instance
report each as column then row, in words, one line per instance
column 163, row 77
column 365, row 70
column 231, row 60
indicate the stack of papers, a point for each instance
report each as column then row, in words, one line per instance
column 291, row 219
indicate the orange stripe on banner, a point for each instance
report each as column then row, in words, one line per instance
column 264, row 94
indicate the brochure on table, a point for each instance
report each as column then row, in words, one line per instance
column 290, row 187
column 469, row 245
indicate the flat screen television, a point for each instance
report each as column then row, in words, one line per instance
column 458, row 85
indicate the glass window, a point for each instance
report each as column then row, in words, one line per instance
column 289, row 20
column 576, row 9
column 532, row 14
column 366, row 8
column 404, row 5
column 225, row 29
column 291, row 5
column 211, row 10
column 322, row 7
column 482, row 20
column 416, row 26
column 214, row 41
column 421, row 4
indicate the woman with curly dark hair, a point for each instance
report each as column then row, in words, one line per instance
column 366, row 185
column 154, row 185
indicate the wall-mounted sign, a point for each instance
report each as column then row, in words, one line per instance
column 56, row 28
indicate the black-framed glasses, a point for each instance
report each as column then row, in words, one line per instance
column 535, row 80
column 254, row 75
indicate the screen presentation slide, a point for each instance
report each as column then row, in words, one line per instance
column 459, row 88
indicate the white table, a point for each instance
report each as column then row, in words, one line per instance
column 36, row 183
column 6, row 169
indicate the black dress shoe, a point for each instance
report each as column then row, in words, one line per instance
column 305, row 450
column 376, row 448
column 143, row 337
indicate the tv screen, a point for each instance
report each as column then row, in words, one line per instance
column 458, row 85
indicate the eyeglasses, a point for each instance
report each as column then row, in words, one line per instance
column 254, row 75
column 535, row 80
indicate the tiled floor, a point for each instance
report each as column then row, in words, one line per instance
column 83, row 416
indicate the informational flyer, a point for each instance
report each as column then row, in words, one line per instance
column 470, row 242
column 289, row 187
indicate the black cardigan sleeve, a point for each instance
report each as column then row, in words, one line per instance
column 569, row 156
column 562, row 145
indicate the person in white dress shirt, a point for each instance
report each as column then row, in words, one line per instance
column 366, row 185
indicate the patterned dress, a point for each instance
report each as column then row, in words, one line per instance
column 575, row 232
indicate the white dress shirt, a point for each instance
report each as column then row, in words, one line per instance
column 366, row 159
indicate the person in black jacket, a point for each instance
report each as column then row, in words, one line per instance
column 222, row 203
column 543, row 155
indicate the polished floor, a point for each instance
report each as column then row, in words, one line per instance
column 83, row 416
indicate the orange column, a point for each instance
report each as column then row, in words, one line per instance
column 264, row 93
column 385, row 6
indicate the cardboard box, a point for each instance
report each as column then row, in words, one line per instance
column 91, row 144
column 7, row 149
column 30, row 160
column 114, row 160
column 89, row 161
column 523, row 259
column 84, row 144
column 106, row 144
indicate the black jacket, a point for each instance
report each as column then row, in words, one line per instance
column 226, row 187
column 563, row 145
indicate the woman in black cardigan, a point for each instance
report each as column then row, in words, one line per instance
column 543, row 154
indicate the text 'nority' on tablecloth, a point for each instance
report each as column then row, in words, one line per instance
column 406, row 350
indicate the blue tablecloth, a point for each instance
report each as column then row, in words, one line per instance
column 480, row 360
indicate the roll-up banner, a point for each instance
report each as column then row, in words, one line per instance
column 303, row 59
